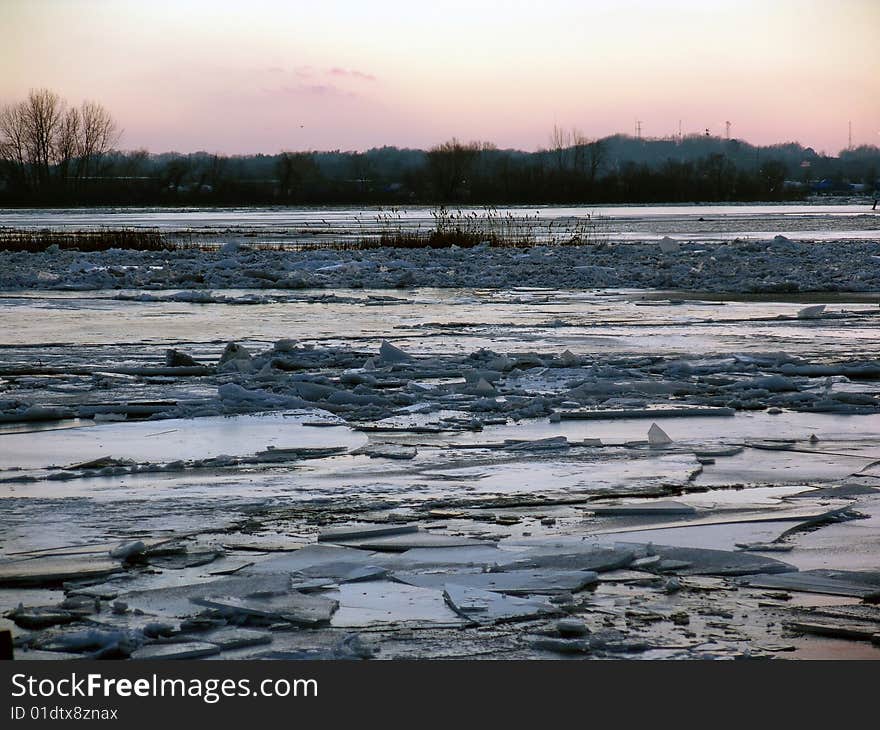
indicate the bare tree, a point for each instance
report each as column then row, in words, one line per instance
column 67, row 142
column 560, row 141
column 43, row 112
column 46, row 142
column 99, row 134
column 13, row 142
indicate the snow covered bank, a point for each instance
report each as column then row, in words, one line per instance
column 768, row 266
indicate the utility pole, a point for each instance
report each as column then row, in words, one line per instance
column 849, row 146
column 638, row 128
column 727, row 127
column 679, row 131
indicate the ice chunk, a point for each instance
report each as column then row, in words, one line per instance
column 128, row 550
column 41, row 617
column 176, row 358
column 93, row 640
column 676, row 412
column 856, row 584
column 702, row 561
column 176, row 601
column 297, row 608
column 551, row 443
column 657, row 436
column 654, row 507
column 483, row 388
column 488, row 607
column 382, row 602
column 232, row 637
column 501, row 364
column 404, row 542
column 311, row 557
column 314, row 391
column 180, row 650
column 358, row 532
column 185, row 559
column 234, row 396
column 285, row 345
column 388, row 451
column 36, row 413
column 343, row 572
column 668, row 245
column 764, row 547
column 104, row 417
column 813, row 312
column 562, row 646
column 567, row 557
column 354, row 646
column 863, row 632
column 52, row 570
column 571, row 627
column 514, row 582
column 234, row 351
column 388, row 353
column 484, row 555
column 235, row 358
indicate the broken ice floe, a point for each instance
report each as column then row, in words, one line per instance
column 482, row 606
column 513, row 582
column 55, row 570
column 863, row 585
column 493, row 469
column 784, row 265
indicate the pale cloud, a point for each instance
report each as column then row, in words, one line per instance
column 351, row 73
column 315, row 90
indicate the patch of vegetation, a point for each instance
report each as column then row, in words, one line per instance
column 388, row 229
column 137, row 239
column 489, row 227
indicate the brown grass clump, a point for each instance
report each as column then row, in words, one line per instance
column 88, row 240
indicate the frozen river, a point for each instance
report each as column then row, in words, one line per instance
column 816, row 221
column 440, row 322
column 663, row 447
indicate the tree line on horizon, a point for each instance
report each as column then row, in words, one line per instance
column 52, row 153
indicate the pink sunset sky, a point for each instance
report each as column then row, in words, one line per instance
column 261, row 76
